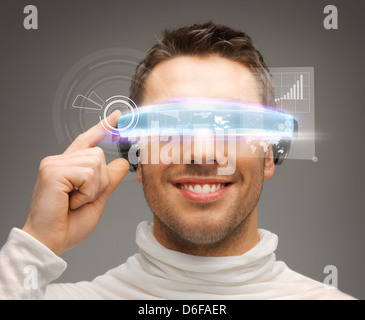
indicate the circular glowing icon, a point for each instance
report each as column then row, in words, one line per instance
column 92, row 89
column 126, row 106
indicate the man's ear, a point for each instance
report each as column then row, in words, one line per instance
column 269, row 165
column 139, row 173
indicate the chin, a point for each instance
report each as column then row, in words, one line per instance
column 203, row 228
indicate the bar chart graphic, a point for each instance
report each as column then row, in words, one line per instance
column 296, row 91
column 294, row 94
column 293, row 91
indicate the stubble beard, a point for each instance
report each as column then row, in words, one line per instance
column 206, row 232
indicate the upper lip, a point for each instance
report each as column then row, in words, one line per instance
column 196, row 180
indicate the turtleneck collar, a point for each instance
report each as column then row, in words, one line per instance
column 208, row 275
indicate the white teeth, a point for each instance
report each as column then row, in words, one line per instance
column 206, row 188
column 197, row 189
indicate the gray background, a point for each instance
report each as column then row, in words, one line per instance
column 316, row 209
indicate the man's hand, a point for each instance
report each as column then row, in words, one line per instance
column 72, row 190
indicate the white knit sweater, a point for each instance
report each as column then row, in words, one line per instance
column 158, row 273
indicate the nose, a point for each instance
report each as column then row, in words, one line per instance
column 202, row 149
column 205, row 148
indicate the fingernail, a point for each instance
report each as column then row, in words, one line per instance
column 115, row 112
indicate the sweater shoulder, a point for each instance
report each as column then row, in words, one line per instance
column 305, row 288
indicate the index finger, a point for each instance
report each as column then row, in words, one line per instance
column 94, row 135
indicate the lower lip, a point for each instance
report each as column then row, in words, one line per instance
column 204, row 197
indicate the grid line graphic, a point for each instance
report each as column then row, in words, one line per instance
column 293, row 91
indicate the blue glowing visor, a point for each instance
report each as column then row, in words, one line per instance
column 221, row 117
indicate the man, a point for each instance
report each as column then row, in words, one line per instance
column 201, row 245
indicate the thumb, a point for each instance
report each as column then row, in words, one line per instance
column 117, row 169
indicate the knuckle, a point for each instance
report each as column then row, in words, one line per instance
column 90, row 173
column 95, row 194
column 90, row 194
column 45, row 165
column 104, row 183
column 98, row 151
column 46, row 173
column 95, row 161
column 44, row 162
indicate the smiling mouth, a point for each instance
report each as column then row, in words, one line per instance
column 202, row 190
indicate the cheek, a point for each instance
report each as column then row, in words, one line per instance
column 250, row 148
column 153, row 178
column 150, row 184
column 250, row 161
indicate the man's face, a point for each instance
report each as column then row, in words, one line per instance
column 184, row 214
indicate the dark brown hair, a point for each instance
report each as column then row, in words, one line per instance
column 199, row 40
